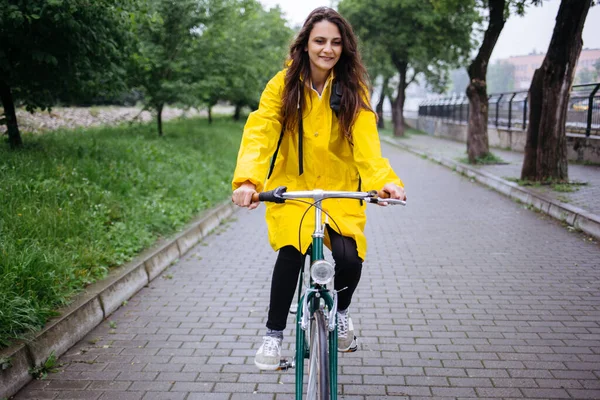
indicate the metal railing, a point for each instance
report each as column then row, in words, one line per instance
column 509, row 110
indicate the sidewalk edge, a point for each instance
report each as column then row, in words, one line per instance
column 576, row 217
column 101, row 299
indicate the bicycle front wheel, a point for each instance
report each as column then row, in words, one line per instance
column 318, row 362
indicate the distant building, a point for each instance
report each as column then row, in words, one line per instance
column 525, row 66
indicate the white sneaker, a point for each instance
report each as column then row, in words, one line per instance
column 346, row 339
column 269, row 354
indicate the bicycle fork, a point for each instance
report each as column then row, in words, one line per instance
column 303, row 330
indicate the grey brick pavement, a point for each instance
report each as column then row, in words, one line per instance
column 586, row 196
column 465, row 294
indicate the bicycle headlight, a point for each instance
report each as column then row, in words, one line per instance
column 322, row 272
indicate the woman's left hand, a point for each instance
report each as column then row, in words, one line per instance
column 393, row 191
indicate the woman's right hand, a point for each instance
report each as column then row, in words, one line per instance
column 242, row 196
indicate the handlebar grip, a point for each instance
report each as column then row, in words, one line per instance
column 273, row 196
column 388, row 200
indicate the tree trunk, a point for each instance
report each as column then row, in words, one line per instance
column 14, row 136
column 398, row 103
column 210, row 119
column 546, row 146
column 159, row 110
column 237, row 113
column 477, row 130
column 379, row 107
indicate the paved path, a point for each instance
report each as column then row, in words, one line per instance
column 585, row 196
column 465, row 294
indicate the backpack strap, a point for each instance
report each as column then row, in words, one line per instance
column 275, row 154
column 300, row 134
column 335, row 101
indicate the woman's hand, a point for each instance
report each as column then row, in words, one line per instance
column 393, row 191
column 242, row 196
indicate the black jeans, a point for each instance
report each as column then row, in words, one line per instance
column 348, row 267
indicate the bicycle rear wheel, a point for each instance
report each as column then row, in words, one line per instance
column 318, row 362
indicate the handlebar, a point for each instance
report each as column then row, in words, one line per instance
column 280, row 195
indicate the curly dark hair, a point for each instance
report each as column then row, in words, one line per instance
column 350, row 73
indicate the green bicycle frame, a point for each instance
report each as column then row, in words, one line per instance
column 313, row 299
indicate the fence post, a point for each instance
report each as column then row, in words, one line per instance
column 454, row 111
column 468, row 110
column 498, row 108
column 489, row 98
column 510, row 109
column 525, row 112
column 588, row 129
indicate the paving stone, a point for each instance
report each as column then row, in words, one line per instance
column 363, row 389
column 453, row 392
column 499, row 392
column 122, row 396
column 192, row 387
column 109, row 385
column 251, row 396
column 27, row 394
column 165, row 396
column 66, row 385
column 85, row 395
column 546, row 393
column 584, row 394
column 136, row 376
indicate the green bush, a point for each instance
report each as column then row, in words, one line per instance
column 76, row 203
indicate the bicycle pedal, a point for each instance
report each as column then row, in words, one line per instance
column 284, row 364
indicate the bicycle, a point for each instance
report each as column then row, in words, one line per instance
column 316, row 322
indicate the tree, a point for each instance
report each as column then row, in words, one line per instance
column 161, row 64
column 546, row 146
column 498, row 12
column 477, row 137
column 421, row 37
column 384, row 93
column 66, row 48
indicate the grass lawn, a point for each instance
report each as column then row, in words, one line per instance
column 76, row 203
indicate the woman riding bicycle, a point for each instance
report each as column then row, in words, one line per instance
column 314, row 128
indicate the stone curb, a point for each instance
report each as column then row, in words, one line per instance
column 574, row 216
column 101, row 299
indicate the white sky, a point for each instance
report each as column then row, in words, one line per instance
column 520, row 35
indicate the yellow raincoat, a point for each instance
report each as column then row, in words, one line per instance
column 330, row 163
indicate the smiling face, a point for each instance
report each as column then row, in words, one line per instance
column 324, row 47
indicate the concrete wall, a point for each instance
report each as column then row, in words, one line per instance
column 411, row 122
column 579, row 147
